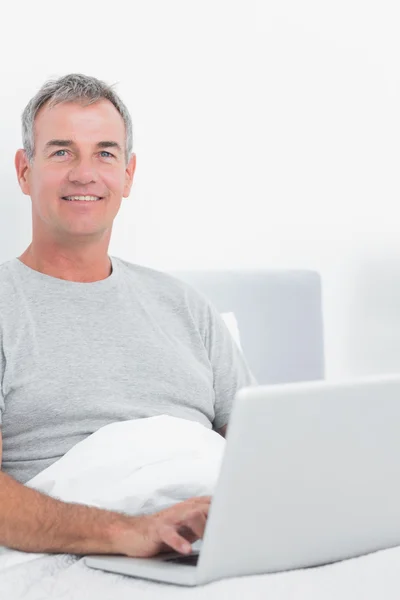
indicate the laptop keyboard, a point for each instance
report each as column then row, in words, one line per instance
column 192, row 559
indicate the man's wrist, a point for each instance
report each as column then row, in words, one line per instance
column 125, row 534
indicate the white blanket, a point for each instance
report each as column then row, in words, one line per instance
column 134, row 467
column 122, row 466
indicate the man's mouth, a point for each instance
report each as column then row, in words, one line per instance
column 82, row 198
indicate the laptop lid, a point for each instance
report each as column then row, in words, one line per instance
column 310, row 476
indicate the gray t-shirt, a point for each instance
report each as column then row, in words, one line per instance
column 77, row 356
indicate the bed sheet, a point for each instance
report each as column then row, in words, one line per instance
column 66, row 577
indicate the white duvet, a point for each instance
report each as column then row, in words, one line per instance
column 137, row 466
column 140, row 466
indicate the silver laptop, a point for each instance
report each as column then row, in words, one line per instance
column 310, row 476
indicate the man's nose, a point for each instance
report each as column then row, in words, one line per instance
column 83, row 173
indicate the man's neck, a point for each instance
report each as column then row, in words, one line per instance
column 67, row 267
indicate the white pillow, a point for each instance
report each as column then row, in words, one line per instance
column 231, row 323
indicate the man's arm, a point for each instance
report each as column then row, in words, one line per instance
column 33, row 522
column 230, row 369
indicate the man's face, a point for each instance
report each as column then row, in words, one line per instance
column 79, row 151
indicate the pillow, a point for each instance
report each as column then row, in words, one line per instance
column 231, row 323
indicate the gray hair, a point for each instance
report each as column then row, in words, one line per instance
column 72, row 88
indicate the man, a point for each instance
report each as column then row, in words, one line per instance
column 87, row 339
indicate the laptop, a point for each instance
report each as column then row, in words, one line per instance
column 310, row 476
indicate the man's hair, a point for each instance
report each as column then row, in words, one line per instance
column 72, row 88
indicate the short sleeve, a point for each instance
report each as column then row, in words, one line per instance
column 230, row 369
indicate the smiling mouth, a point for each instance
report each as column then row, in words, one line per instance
column 82, row 198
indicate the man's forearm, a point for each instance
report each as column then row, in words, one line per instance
column 34, row 522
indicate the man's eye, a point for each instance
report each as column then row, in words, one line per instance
column 105, row 152
column 58, row 153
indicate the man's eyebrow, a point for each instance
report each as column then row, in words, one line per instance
column 51, row 143
column 103, row 144
column 109, row 144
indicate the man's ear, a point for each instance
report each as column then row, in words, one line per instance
column 129, row 173
column 22, row 167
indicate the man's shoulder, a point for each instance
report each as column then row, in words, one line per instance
column 6, row 276
column 148, row 273
column 5, row 267
column 163, row 282
column 7, row 291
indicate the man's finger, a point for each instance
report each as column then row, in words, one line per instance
column 201, row 499
column 195, row 522
column 171, row 537
column 198, row 504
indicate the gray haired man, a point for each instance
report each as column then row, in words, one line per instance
column 87, row 339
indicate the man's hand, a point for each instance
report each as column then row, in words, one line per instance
column 172, row 528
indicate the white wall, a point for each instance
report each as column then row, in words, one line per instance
column 266, row 133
